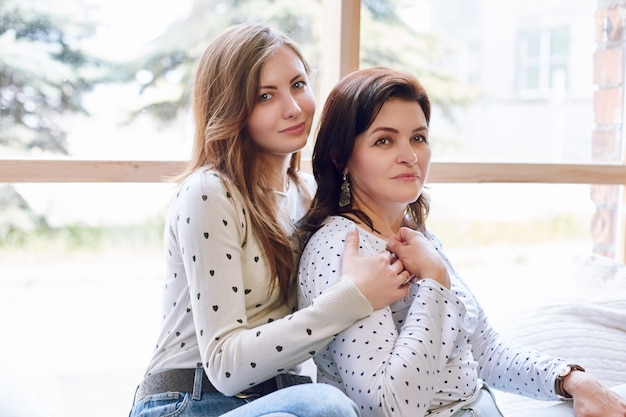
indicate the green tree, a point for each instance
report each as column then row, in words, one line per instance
column 43, row 75
column 43, row 72
column 170, row 58
column 386, row 39
column 389, row 40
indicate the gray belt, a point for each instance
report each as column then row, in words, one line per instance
column 196, row 382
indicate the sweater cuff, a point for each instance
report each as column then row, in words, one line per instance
column 343, row 304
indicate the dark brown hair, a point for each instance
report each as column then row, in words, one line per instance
column 350, row 109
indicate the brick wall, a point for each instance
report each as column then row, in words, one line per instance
column 609, row 114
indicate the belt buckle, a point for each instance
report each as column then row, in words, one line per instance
column 243, row 395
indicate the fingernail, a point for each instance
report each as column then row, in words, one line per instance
column 351, row 228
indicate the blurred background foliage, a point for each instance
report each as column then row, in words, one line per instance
column 47, row 68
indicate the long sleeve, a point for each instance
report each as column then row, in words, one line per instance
column 508, row 366
column 423, row 355
column 503, row 364
column 401, row 360
column 218, row 309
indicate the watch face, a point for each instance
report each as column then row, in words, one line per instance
column 564, row 371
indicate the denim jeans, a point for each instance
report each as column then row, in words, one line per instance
column 306, row 400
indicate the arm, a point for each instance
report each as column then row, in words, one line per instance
column 514, row 368
column 419, row 256
column 400, row 371
column 501, row 363
column 378, row 365
column 511, row 367
column 380, row 278
column 246, row 335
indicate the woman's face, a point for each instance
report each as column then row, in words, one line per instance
column 281, row 119
column 390, row 160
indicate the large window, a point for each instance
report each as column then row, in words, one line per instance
column 81, row 263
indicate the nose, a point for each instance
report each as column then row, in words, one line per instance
column 407, row 155
column 291, row 107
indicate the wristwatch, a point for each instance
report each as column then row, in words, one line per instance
column 561, row 373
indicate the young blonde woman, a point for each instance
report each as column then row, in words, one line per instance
column 231, row 337
column 432, row 353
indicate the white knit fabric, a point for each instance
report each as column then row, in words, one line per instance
column 590, row 330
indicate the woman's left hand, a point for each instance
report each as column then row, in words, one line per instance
column 418, row 255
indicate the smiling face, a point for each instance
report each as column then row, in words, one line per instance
column 281, row 119
column 390, row 161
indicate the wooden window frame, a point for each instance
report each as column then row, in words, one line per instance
column 342, row 45
column 80, row 171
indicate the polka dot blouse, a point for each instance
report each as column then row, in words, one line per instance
column 218, row 311
column 423, row 355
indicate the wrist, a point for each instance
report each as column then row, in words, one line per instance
column 439, row 275
column 563, row 383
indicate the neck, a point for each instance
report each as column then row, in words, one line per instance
column 277, row 166
column 386, row 222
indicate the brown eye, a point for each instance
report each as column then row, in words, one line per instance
column 382, row 141
column 265, row 97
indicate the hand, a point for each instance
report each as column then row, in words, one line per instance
column 419, row 256
column 592, row 398
column 380, row 278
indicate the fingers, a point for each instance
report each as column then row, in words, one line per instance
column 404, row 234
column 399, row 248
column 352, row 242
column 404, row 275
column 396, row 263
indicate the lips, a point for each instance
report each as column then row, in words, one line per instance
column 407, row 177
column 295, row 129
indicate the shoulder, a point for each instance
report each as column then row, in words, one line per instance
column 203, row 179
column 433, row 238
column 205, row 191
column 207, row 184
column 331, row 234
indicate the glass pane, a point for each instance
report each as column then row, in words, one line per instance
column 514, row 237
column 81, row 299
column 559, row 42
column 515, row 109
column 532, row 42
column 116, row 82
column 82, row 307
column 532, row 78
column 82, row 264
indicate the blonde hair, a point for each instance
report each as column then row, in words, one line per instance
column 225, row 91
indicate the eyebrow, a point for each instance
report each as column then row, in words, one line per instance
column 273, row 87
column 392, row 130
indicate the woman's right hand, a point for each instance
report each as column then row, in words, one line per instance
column 380, row 278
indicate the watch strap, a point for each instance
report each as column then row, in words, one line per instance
column 560, row 378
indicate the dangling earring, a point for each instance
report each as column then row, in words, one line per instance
column 344, row 198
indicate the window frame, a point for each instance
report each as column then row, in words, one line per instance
column 342, row 45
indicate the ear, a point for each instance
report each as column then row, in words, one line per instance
column 345, row 168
